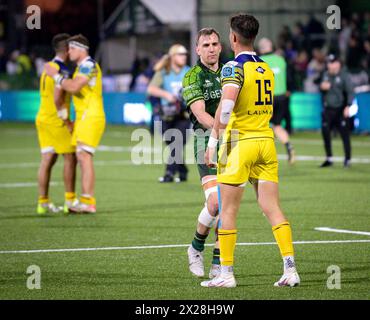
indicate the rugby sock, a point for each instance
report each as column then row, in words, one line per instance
column 288, row 146
column 283, row 236
column 43, row 199
column 198, row 241
column 87, row 199
column 227, row 240
column 289, row 264
column 69, row 196
column 216, row 256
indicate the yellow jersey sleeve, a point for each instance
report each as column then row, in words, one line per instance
column 87, row 69
column 54, row 65
column 232, row 73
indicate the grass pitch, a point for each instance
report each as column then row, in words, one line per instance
column 135, row 210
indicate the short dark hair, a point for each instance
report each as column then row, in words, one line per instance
column 80, row 39
column 246, row 26
column 60, row 41
column 207, row 32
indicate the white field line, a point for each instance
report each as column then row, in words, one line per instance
column 320, row 158
column 23, row 185
column 326, row 229
column 174, row 246
column 21, row 165
column 98, row 163
column 314, row 142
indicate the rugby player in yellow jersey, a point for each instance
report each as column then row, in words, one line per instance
column 247, row 151
column 54, row 131
column 86, row 88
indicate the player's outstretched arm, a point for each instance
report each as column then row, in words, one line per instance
column 70, row 85
column 198, row 108
column 222, row 117
column 74, row 85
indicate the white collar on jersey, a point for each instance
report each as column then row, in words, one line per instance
column 58, row 59
column 84, row 60
column 247, row 52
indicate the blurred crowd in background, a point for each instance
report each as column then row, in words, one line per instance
column 304, row 47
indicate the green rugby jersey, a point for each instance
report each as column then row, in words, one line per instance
column 279, row 68
column 201, row 83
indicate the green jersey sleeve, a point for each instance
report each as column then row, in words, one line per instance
column 192, row 90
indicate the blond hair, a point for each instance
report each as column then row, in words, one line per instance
column 165, row 61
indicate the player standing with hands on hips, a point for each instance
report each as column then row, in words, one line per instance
column 247, row 151
column 337, row 96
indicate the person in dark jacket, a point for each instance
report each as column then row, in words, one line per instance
column 337, row 93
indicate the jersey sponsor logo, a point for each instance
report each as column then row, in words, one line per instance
column 260, row 70
column 228, row 71
column 259, row 112
column 85, row 70
column 207, row 84
column 216, row 94
column 87, row 67
column 189, row 87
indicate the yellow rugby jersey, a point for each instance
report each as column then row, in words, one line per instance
column 253, row 108
column 48, row 111
column 89, row 100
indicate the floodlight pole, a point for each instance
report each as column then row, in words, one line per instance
column 100, row 17
column 194, row 25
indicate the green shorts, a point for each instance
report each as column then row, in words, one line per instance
column 200, row 146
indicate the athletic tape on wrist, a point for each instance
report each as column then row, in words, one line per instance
column 227, row 106
column 212, row 142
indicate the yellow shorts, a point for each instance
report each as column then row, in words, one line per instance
column 54, row 138
column 247, row 160
column 88, row 131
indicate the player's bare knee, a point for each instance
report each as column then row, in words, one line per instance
column 212, row 204
column 49, row 159
column 82, row 156
column 70, row 158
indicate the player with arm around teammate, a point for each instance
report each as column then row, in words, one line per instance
column 54, row 130
column 86, row 88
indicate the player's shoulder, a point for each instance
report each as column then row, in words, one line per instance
column 230, row 68
column 57, row 64
column 192, row 75
column 87, row 66
column 88, row 63
column 61, row 66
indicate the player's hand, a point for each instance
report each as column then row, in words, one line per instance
column 325, row 86
column 49, row 70
column 209, row 157
column 346, row 112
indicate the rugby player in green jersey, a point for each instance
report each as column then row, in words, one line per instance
column 202, row 93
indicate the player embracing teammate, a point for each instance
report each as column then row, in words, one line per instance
column 85, row 86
